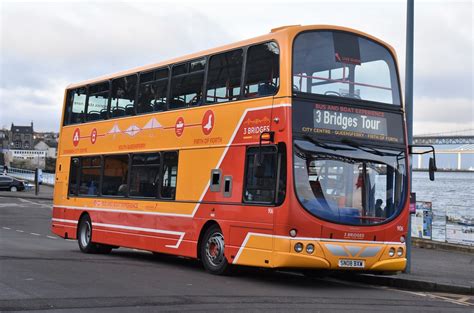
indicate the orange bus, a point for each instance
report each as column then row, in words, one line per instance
column 287, row 150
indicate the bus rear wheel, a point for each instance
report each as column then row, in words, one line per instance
column 212, row 252
column 84, row 238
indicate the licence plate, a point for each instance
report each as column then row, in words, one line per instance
column 352, row 263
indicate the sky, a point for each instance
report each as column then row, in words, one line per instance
column 44, row 46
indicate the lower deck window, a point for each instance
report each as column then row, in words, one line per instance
column 147, row 175
column 261, row 175
column 170, row 175
column 114, row 181
column 89, row 176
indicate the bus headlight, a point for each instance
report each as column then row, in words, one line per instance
column 299, row 247
column 402, row 239
column 391, row 252
column 293, row 232
column 400, row 251
column 310, row 248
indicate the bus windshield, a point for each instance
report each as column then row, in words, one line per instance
column 341, row 64
column 349, row 184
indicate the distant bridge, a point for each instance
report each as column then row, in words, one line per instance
column 461, row 137
column 464, row 140
column 445, row 140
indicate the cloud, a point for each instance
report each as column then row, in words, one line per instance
column 55, row 44
column 437, row 115
column 93, row 39
column 47, row 45
column 21, row 105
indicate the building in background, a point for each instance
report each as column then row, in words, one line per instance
column 27, row 159
column 22, row 147
column 21, row 137
column 50, row 146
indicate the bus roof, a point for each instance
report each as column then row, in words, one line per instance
column 278, row 34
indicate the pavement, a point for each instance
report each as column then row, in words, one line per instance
column 434, row 270
column 436, row 267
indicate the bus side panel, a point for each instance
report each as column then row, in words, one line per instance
column 58, row 226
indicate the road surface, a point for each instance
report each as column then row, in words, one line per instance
column 40, row 272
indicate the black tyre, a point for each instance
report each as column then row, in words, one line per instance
column 212, row 250
column 84, row 238
column 104, row 249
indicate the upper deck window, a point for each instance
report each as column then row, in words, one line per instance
column 152, row 91
column 247, row 72
column 97, row 101
column 123, row 96
column 224, row 76
column 186, row 84
column 76, row 105
column 262, row 70
column 340, row 64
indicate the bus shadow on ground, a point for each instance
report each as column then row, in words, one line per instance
column 288, row 278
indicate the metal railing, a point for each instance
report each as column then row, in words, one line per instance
column 451, row 225
column 47, row 178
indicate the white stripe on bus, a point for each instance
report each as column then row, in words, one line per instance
column 149, row 230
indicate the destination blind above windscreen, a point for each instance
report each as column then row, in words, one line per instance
column 344, row 122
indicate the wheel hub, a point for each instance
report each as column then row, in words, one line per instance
column 215, row 249
column 85, row 234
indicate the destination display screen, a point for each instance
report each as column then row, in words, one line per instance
column 344, row 121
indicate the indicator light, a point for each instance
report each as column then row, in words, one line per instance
column 265, row 136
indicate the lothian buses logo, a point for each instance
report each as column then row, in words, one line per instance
column 76, row 137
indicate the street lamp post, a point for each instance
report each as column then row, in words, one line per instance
column 409, row 107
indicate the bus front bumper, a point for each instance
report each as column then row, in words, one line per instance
column 326, row 254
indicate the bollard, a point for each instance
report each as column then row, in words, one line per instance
column 36, row 181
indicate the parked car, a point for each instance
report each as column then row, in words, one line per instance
column 10, row 183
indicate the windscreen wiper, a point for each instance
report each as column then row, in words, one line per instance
column 306, row 154
column 324, row 145
column 365, row 148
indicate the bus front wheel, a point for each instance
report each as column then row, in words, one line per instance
column 212, row 252
column 84, row 238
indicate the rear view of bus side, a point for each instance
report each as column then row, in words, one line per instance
column 283, row 151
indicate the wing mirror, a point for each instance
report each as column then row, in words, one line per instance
column 432, row 168
column 432, row 162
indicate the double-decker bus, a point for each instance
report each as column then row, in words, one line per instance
column 287, row 150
